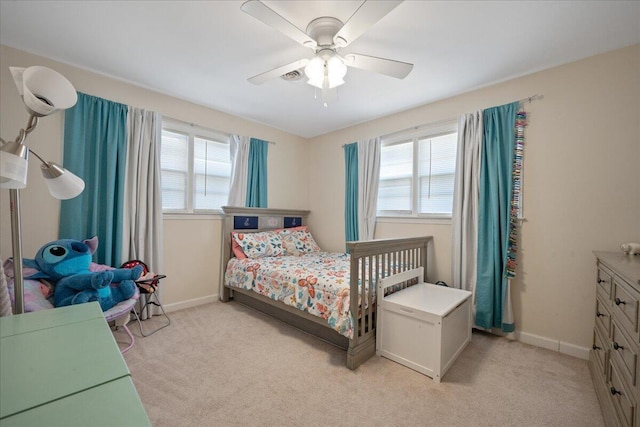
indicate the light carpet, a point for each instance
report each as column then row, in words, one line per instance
column 223, row 364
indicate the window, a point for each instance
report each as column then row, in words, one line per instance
column 417, row 170
column 195, row 167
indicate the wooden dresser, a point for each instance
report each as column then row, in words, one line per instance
column 613, row 360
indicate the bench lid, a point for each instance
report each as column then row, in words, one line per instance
column 429, row 298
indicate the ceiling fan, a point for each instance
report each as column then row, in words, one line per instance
column 326, row 35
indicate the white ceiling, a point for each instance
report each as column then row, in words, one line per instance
column 204, row 51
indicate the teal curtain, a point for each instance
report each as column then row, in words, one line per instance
column 492, row 289
column 351, row 192
column 257, row 174
column 95, row 149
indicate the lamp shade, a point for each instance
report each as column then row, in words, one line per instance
column 13, row 165
column 43, row 90
column 62, row 184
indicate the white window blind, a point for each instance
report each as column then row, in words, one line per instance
column 212, row 168
column 195, row 167
column 396, row 177
column 436, row 170
column 174, row 164
column 417, row 171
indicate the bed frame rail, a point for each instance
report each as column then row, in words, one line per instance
column 371, row 261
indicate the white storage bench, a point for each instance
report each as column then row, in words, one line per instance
column 424, row 327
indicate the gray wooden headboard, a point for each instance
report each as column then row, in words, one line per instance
column 253, row 220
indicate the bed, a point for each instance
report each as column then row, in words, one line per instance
column 271, row 262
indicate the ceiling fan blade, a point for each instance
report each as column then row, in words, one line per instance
column 277, row 72
column 364, row 18
column 265, row 14
column 388, row 67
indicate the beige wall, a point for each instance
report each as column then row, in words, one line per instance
column 191, row 249
column 581, row 185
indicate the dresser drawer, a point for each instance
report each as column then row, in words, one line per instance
column 603, row 318
column 600, row 347
column 623, row 402
column 625, row 306
column 604, row 281
column 625, row 351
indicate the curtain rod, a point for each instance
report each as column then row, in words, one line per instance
column 531, row 98
column 439, row 122
column 193, row 125
column 415, row 128
column 251, row 137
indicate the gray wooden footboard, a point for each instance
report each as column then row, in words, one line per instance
column 376, row 259
column 369, row 259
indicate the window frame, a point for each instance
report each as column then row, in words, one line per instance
column 414, row 136
column 192, row 132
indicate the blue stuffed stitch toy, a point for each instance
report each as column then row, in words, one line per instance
column 66, row 263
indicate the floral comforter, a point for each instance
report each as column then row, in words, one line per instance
column 317, row 283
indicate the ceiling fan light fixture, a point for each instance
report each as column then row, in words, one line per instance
column 326, row 72
column 336, row 70
column 315, row 72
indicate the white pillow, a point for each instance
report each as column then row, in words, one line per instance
column 259, row 245
column 298, row 241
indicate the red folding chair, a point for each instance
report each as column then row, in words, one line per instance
column 148, row 295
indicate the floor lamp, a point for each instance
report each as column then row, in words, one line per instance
column 43, row 91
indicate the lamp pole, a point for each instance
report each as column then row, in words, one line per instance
column 16, row 240
column 16, row 226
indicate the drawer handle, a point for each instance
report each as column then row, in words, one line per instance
column 598, row 314
column 617, row 346
column 619, row 301
column 595, row 347
column 614, row 391
column 601, row 280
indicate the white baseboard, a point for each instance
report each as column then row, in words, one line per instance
column 551, row 344
column 574, row 350
column 191, row 303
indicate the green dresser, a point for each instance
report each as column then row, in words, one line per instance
column 62, row 367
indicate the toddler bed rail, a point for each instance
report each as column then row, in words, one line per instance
column 377, row 259
column 369, row 262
